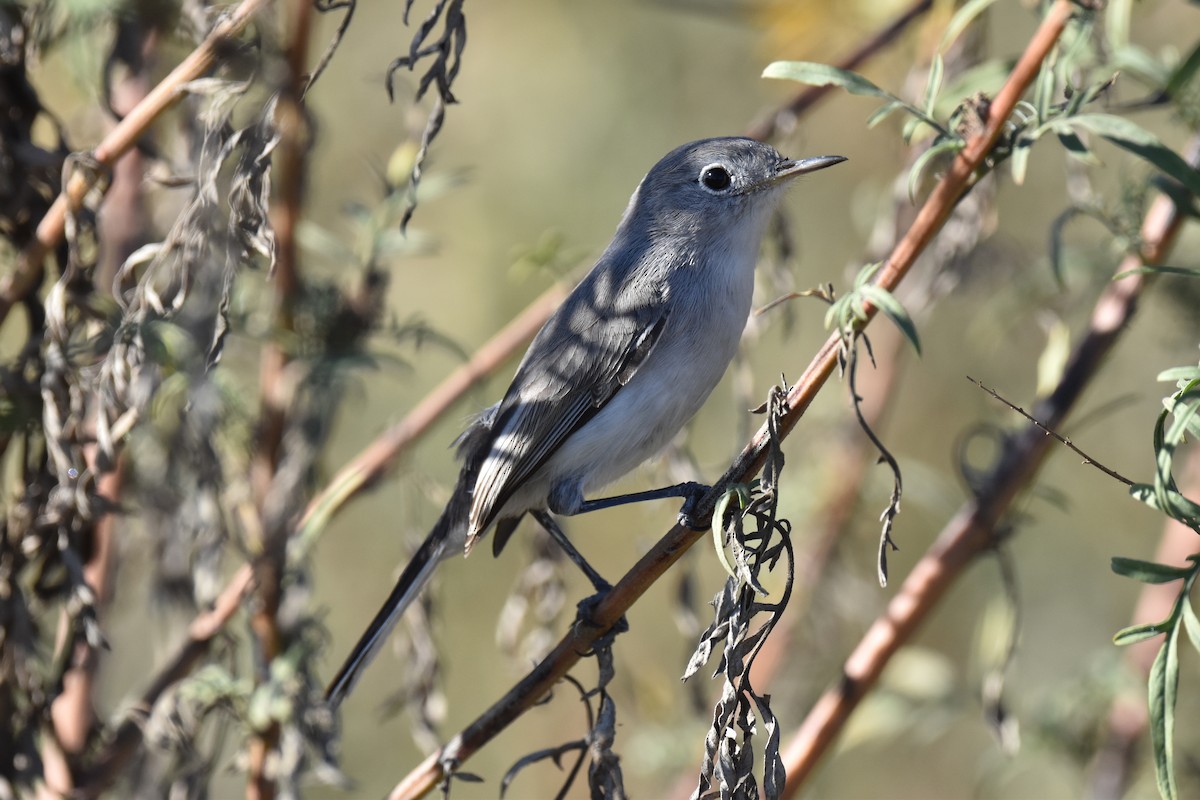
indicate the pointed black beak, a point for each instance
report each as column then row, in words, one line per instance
column 790, row 169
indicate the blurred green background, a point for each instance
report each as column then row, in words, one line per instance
column 564, row 105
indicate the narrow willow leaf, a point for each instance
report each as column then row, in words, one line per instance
column 883, row 112
column 918, row 167
column 1142, row 143
column 1179, row 374
column 1043, row 90
column 1020, row 159
column 934, row 84
column 1116, row 22
column 1191, row 624
column 1148, row 571
column 1184, row 271
column 961, row 20
column 1168, row 501
column 1052, row 362
column 1076, row 148
column 718, row 531
column 1137, row 63
column 1184, row 408
column 911, row 127
column 1163, row 686
column 1184, row 73
column 815, row 74
column 1137, row 633
column 889, row 305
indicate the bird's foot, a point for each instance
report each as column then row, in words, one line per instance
column 689, row 510
column 585, row 612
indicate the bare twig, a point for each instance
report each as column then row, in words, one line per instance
column 970, row 532
column 671, row 547
column 28, row 272
column 1050, row 432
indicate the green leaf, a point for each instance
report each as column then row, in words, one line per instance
column 1159, row 270
column 932, row 152
column 1148, row 571
column 1137, row 63
column 1137, row 140
column 814, row 74
column 1179, row 374
column 1116, row 22
column 1076, row 148
column 883, row 112
column 987, row 77
column 1183, row 74
column 886, row 302
column 1168, row 501
column 1137, row 633
column 718, row 527
column 1191, row 624
column 1043, row 90
column 962, row 18
column 1163, row 687
column 934, row 84
column 1020, row 158
column 1052, row 362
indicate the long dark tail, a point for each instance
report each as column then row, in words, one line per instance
column 408, row 586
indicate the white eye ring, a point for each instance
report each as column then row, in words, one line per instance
column 715, row 178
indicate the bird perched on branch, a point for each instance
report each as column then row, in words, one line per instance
column 618, row 369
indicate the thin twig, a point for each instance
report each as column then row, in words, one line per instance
column 1063, row 439
column 671, row 547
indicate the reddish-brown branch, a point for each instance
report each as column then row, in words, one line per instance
column 970, row 533
column 269, row 566
column 668, row 550
column 28, row 273
column 72, row 712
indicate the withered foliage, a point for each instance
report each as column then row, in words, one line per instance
column 117, row 406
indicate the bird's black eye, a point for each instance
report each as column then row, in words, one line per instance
column 715, row 177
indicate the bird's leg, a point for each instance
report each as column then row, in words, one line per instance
column 556, row 533
column 601, row 586
column 691, row 491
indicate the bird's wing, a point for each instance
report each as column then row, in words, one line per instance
column 574, row 367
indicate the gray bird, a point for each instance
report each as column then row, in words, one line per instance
column 618, row 369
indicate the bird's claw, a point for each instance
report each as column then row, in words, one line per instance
column 586, row 611
column 687, row 512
